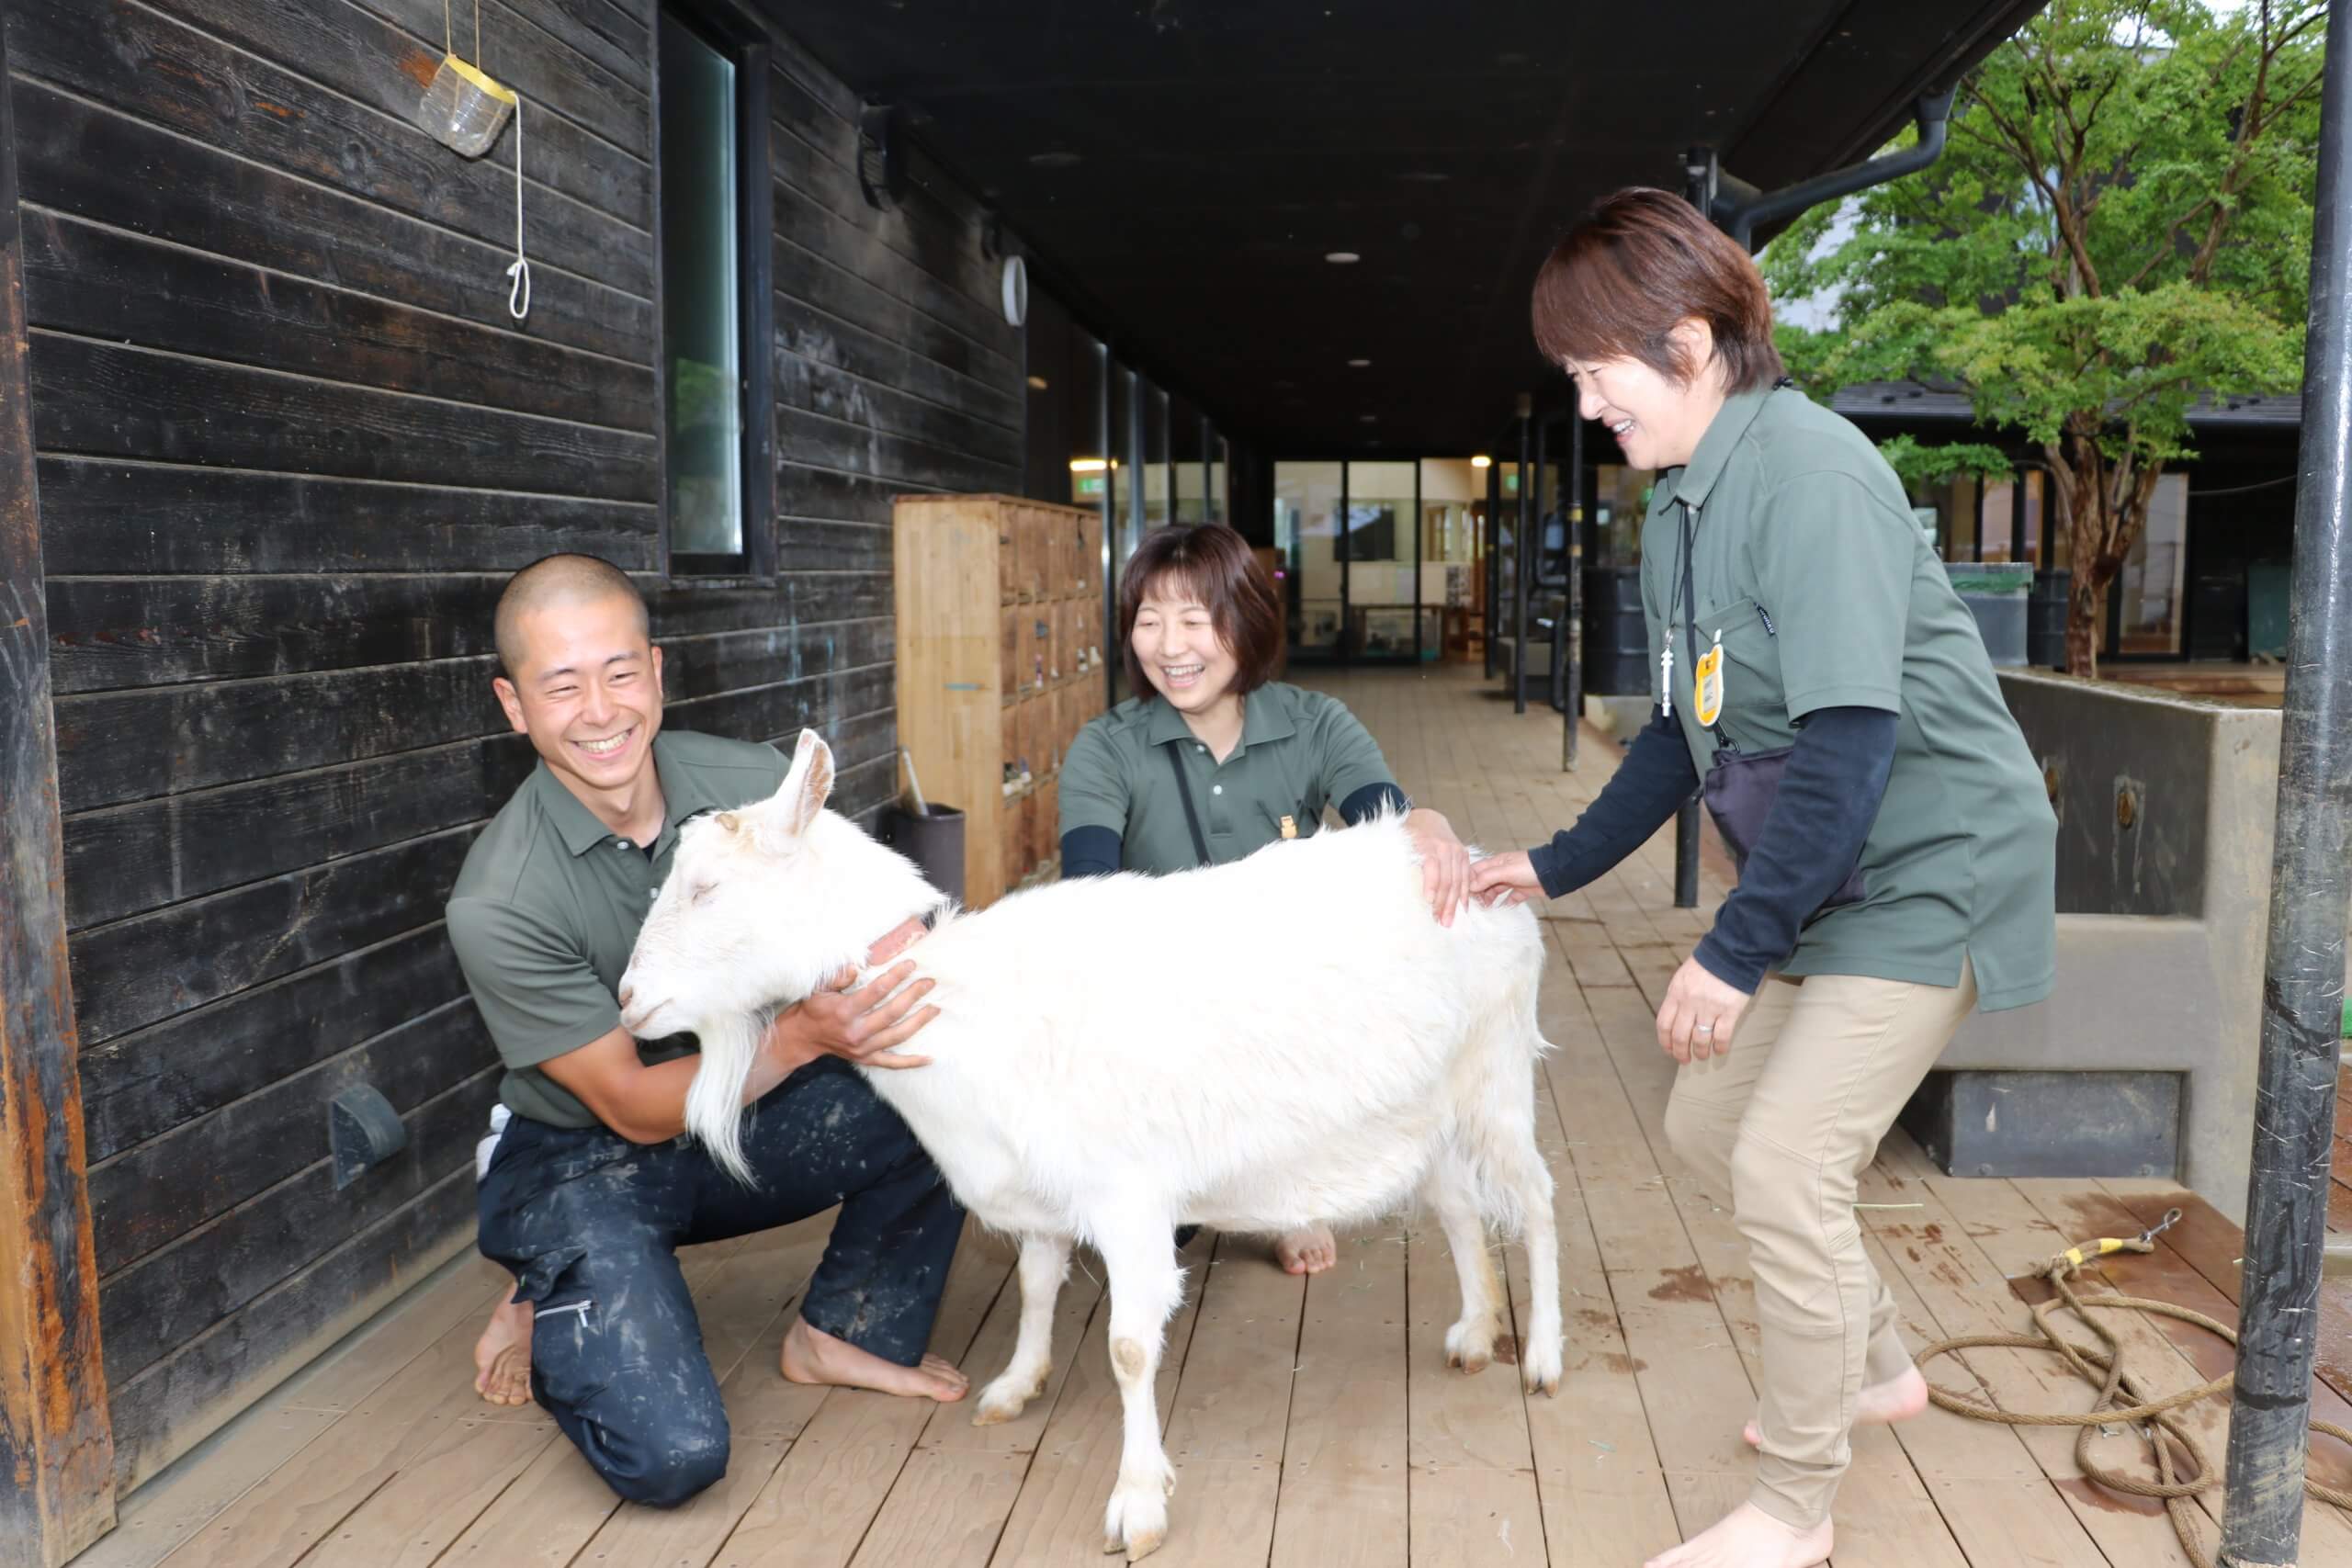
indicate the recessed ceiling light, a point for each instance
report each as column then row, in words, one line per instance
column 1424, row 176
column 1054, row 160
column 1369, row 418
column 1342, row 258
column 1359, row 363
column 1482, row 461
column 1036, row 383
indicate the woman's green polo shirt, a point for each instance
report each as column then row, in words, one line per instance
column 1299, row 751
column 1808, row 566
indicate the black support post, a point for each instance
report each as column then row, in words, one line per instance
column 1572, row 720
column 2310, row 874
column 1520, row 559
column 1490, row 629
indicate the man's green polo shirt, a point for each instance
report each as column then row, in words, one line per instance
column 549, row 903
column 1807, row 565
column 1299, row 751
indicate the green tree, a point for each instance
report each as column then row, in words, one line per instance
column 2119, row 226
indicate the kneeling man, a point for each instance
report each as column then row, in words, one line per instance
column 592, row 1190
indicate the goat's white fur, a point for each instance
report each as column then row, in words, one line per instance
column 1254, row 1046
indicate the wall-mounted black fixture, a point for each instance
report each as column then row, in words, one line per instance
column 1739, row 208
column 881, row 155
column 362, row 1130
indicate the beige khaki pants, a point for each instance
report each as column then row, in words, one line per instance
column 1782, row 1126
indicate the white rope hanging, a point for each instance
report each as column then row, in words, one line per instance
column 464, row 110
column 519, row 274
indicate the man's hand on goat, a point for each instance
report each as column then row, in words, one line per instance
column 1700, row 1015
column 1504, row 880
column 1445, row 865
column 863, row 1027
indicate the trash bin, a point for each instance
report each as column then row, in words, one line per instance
column 2045, row 610
column 1996, row 593
column 934, row 841
column 1616, row 640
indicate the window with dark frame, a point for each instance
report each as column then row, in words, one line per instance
column 711, row 184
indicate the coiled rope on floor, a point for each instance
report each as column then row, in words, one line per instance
column 2182, row 1469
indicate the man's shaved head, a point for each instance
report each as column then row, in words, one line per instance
column 558, row 580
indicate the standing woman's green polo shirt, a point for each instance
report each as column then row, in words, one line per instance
column 1808, row 566
column 549, row 903
column 1299, row 751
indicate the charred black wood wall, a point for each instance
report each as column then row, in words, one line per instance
column 289, row 443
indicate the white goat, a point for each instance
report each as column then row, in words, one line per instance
column 1255, row 1046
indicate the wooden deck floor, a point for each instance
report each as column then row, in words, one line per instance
column 1310, row 1423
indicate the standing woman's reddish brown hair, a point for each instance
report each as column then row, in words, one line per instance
column 1635, row 266
column 1213, row 563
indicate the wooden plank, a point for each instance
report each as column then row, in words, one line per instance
column 115, row 747
column 108, row 400
column 807, row 331
column 100, row 282
column 899, row 460
column 1345, row 1469
column 848, row 273
column 247, row 1240
column 56, row 1445
column 139, row 518
column 143, row 1085
column 181, row 1400
column 365, row 59
column 1473, row 1497
column 157, row 70
column 838, row 392
column 138, row 971
column 175, row 1505
column 70, row 152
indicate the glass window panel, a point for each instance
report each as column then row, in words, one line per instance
column 2053, row 554
column 1155, row 486
column 702, row 332
column 2150, row 584
column 1123, row 467
column 1220, row 470
column 1307, row 533
column 1189, row 477
column 1380, row 531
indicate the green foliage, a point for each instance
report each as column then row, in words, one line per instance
column 2119, row 226
column 1916, row 463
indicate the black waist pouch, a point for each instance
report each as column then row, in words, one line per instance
column 1739, row 790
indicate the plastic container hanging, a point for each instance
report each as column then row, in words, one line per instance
column 464, row 110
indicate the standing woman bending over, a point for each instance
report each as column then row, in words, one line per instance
column 1214, row 759
column 1898, row 867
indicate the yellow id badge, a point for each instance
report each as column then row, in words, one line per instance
column 1707, row 684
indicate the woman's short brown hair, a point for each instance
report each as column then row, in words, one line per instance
column 1216, row 565
column 1637, row 265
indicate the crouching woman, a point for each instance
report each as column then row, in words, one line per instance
column 1214, row 759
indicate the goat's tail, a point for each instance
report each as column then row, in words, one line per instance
column 715, row 1099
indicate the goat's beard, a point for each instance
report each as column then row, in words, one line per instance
column 715, row 1108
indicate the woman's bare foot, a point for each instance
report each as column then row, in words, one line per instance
column 1881, row 1404
column 1309, row 1250
column 503, row 1355
column 1747, row 1537
column 813, row 1356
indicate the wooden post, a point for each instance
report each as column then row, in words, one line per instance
column 2302, row 987
column 56, row 1445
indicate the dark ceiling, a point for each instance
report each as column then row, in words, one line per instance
column 1179, row 168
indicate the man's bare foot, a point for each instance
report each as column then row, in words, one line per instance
column 1747, row 1537
column 813, row 1356
column 503, row 1355
column 1306, row 1251
column 1881, row 1404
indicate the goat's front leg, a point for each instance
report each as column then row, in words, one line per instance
column 1044, row 1263
column 1146, row 1285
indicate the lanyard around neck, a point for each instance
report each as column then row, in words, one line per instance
column 1685, row 608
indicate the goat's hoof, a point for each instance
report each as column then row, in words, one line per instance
column 1539, row 1366
column 1137, row 1520
column 1004, row 1399
column 1470, row 1344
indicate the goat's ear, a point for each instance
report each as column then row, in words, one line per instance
column 809, row 784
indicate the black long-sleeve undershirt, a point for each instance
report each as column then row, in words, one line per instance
column 1828, row 801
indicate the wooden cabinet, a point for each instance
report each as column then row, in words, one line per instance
column 1001, row 661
